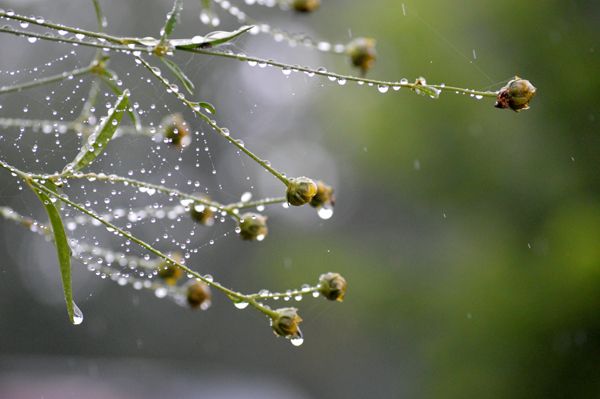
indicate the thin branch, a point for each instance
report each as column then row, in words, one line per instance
column 223, row 132
column 47, row 80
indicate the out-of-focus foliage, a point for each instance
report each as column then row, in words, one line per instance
column 469, row 236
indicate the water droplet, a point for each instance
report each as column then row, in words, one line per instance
column 241, row 305
column 383, row 88
column 297, row 341
column 247, row 196
column 32, row 39
column 325, row 213
column 161, row 292
column 77, row 315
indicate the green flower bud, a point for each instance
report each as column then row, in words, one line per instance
column 516, row 95
column 306, row 5
column 301, row 190
column 332, row 286
column 202, row 213
column 285, row 323
column 323, row 197
column 362, row 53
column 175, row 129
column 253, row 226
column 198, row 295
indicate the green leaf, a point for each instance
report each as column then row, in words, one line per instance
column 109, row 77
column 187, row 83
column 172, row 18
column 63, row 250
column 210, row 40
column 99, row 139
column 208, row 107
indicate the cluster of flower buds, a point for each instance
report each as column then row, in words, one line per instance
column 176, row 131
column 362, row 53
column 202, row 213
column 198, row 294
column 332, row 286
column 285, row 323
column 516, row 95
column 305, row 5
column 253, row 226
column 301, row 190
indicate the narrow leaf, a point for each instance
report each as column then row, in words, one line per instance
column 109, row 77
column 63, row 250
column 210, row 40
column 187, row 83
column 208, row 107
column 172, row 18
column 100, row 138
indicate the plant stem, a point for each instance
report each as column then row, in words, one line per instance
column 289, row 293
column 138, row 183
column 257, row 203
column 132, row 46
column 46, row 80
column 196, row 109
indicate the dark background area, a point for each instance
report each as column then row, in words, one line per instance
column 470, row 236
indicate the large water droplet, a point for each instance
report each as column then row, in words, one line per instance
column 325, row 213
column 297, row 341
column 241, row 305
column 77, row 315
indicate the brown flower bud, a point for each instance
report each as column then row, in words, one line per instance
column 169, row 272
column 198, row 295
column 323, row 197
column 285, row 323
column 202, row 213
column 253, row 226
column 516, row 95
column 332, row 286
column 176, row 131
column 306, row 5
column 362, row 53
column 301, row 190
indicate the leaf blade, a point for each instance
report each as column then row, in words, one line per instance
column 100, row 138
column 171, row 21
column 210, row 40
column 63, row 251
column 107, row 77
column 179, row 74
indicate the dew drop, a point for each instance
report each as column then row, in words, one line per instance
column 297, row 341
column 325, row 213
column 77, row 315
column 241, row 305
column 383, row 88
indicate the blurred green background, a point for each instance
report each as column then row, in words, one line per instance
column 470, row 236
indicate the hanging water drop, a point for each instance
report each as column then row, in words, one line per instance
column 77, row 315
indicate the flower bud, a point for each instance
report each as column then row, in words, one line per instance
column 306, row 5
column 285, row 323
column 362, row 53
column 332, row 286
column 169, row 272
column 176, row 131
column 301, row 190
column 323, row 197
column 202, row 213
column 198, row 295
column 516, row 95
column 253, row 226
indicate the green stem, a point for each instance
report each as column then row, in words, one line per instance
column 76, row 125
column 254, row 204
column 337, row 76
column 289, row 294
column 138, row 183
column 213, row 124
column 46, row 80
